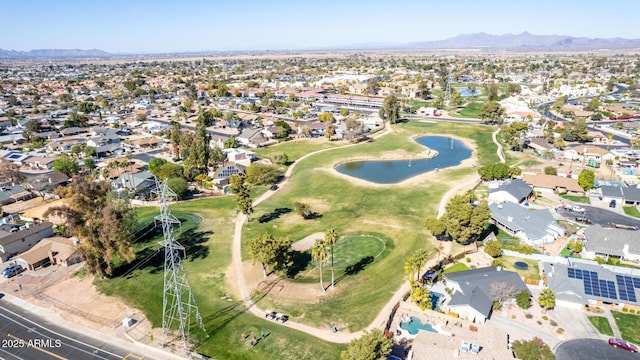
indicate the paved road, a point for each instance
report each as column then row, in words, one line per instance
column 600, row 216
column 25, row 336
column 581, row 349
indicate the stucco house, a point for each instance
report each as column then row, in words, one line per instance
column 16, row 238
column 534, row 227
column 611, row 242
column 476, row 289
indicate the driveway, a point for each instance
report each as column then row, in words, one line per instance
column 581, row 349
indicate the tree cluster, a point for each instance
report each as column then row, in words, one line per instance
column 462, row 220
column 390, row 109
column 370, row 346
column 270, row 251
column 491, row 112
column 497, row 171
column 534, row 349
column 102, row 221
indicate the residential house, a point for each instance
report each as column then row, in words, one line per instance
column 102, row 140
column 139, row 182
column 42, row 184
column 63, row 145
column 11, row 193
column 611, row 242
column 476, row 289
column 514, row 190
column 150, row 142
column 227, row 169
column 315, row 129
column 51, row 251
column 540, row 145
column 41, row 162
column 534, row 227
column 251, row 137
column 609, row 193
column 73, row 131
column 631, row 194
column 16, row 238
column 553, row 183
column 578, row 282
column 585, row 153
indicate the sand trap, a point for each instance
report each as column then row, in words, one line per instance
column 307, row 242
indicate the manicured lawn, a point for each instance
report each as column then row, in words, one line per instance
column 207, row 227
column 631, row 211
column 386, row 223
column 456, row 267
column 566, row 252
column 472, row 110
column 629, row 326
column 601, row 324
column 578, row 199
column 529, row 162
column 532, row 273
column 396, row 213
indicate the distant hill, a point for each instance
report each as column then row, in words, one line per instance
column 525, row 41
column 53, row 53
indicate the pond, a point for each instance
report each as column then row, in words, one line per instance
column 451, row 152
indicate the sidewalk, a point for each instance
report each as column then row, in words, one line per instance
column 134, row 347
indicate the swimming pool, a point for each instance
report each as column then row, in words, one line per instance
column 416, row 325
column 435, row 300
column 629, row 171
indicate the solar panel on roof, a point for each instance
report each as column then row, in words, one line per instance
column 636, row 282
column 572, row 273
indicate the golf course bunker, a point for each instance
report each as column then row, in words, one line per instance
column 450, row 152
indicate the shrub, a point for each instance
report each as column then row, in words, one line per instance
column 473, row 328
column 468, row 259
column 553, row 323
column 513, row 317
column 545, row 317
column 631, row 311
column 624, row 309
column 528, row 316
column 560, row 330
column 539, row 322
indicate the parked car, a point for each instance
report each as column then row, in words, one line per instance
column 12, row 270
column 612, row 204
column 273, row 187
column 577, row 208
column 583, row 219
column 622, row 344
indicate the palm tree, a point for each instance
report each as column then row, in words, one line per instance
column 331, row 237
column 547, row 299
column 421, row 256
column 320, row 252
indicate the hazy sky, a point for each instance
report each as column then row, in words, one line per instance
column 192, row 25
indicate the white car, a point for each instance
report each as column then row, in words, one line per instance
column 577, row 208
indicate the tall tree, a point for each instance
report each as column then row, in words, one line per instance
column 370, row 346
column 547, row 299
column 586, row 180
column 10, row 172
column 320, row 252
column 491, row 112
column 102, row 221
column 242, row 196
column 331, row 237
column 66, row 165
column 198, row 160
column 270, row 251
column 390, row 109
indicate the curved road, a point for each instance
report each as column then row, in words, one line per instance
column 382, row 317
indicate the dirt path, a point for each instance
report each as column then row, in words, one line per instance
column 499, row 151
column 307, row 242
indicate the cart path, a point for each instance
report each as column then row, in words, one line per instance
column 380, row 320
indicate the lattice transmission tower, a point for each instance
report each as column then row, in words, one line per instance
column 178, row 304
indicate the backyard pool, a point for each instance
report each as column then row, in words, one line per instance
column 435, row 300
column 416, row 325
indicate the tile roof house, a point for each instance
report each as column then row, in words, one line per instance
column 53, row 250
column 611, row 242
column 543, row 182
column 514, row 190
column 475, row 290
column 534, row 227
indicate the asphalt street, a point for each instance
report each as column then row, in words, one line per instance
column 582, row 349
column 26, row 336
column 599, row 216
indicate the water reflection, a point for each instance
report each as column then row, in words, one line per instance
column 450, row 153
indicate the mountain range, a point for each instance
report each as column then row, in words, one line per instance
column 512, row 42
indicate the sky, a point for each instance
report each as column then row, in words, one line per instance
column 144, row 26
